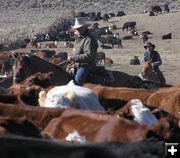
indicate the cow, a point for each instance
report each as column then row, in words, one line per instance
column 144, row 37
column 120, row 13
column 167, row 36
column 105, row 18
column 109, row 127
column 121, row 93
column 112, row 26
column 166, row 8
column 20, row 146
column 127, row 37
column 156, row 8
column 101, row 56
column 19, row 126
column 68, row 44
column 129, row 25
column 44, row 54
column 39, row 116
column 108, row 61
column 33, row 44
column 167, row 99
column 51, row 45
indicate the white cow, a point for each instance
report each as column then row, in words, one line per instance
column 70, row 95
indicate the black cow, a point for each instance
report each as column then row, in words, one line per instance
column 37, row 148
column 120, row 13
column 167, row 36
column 111, row 14
column 166, row 8
column 105, row 17
column 81, row 14
column 128, row 25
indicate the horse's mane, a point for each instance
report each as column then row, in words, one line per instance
column 45, row 62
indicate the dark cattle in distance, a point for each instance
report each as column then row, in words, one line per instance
column 105, row 18
column 128, row 25
column 167, row 36
column 111, row 14
column 121, row 13
column 144, row 37
column 156, row 8
column 147, row 32
column 81, row 14
column 166, row 8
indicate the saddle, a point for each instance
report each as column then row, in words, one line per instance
column 99, row 75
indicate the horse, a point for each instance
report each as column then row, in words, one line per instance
column 25, row 66
column 147, row 72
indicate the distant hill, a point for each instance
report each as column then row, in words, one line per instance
column 22, row 18
column 129, row 6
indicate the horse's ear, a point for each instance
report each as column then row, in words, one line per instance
column 27, row 58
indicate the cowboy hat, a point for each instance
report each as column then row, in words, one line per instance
column 79, row 22
column 149, row 44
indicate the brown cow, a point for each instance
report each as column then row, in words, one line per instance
column 33, row 44
column 168, row 99
column 121, row 92
column 51, row 45
column 19, row 126
column 39, row 116
column 98, row 127
column 68, row 45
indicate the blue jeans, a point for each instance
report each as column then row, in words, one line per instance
column 81, row 76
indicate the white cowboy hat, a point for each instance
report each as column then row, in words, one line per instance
column 79, row 22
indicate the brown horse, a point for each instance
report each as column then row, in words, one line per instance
column 149, row 74
column 24, row 66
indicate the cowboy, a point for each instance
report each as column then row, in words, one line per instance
column 153, row 57
column 84, row 52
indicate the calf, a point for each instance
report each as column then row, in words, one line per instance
column 167, row 36
column 100, row 57
column 144, row 37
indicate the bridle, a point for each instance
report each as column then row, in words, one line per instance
column 28, row 69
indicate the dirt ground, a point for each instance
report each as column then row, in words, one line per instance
column 158, row 25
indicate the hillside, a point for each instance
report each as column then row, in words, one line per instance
column 21, row 17
column 130, row 6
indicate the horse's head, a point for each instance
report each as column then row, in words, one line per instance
column 21, row 68
column 146, row 70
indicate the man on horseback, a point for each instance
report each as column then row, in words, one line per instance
column 85, row 50
column 153, row 57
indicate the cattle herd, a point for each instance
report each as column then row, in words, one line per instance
column 120, row 129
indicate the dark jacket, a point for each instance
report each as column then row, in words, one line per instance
column 155, row 58
column 85, row 50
